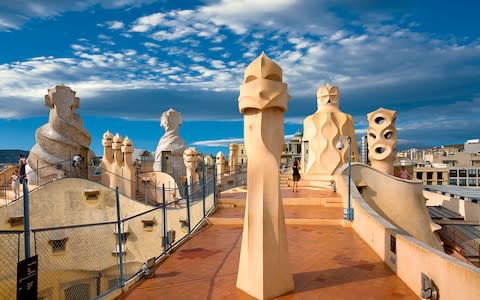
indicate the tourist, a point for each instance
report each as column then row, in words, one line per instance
column 296, row 175
column 15, row 184
column 404, row 173
column 22, row 164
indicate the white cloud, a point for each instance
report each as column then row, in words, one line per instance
column 115, row 25
column 226, row 142
column 151, row 45
column 239, row 14
column 218, row 143
column 13, row 14
column 146, row 23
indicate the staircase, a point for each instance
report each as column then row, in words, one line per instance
column 285, row 180
column 307, row 207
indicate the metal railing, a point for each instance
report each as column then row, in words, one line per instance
column 11, row 252
column 228, row 180
column 36, row 180
column 89, row 261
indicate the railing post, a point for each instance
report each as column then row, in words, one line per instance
column 165, row 242
column 5, row 188
column 214, row 184
column 145, row 192
column 26, row 219
column 120, row 237
column 203, row 188
column 188, row 205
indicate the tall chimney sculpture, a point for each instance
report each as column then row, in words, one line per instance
column 264, row 269
column 382, row 139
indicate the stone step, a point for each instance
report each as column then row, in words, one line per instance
column 239, row 221
column 333, row 202
column 326, row 201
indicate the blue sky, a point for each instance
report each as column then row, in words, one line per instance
column 129, row 61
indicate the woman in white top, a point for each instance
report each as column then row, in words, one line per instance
column 15, row 184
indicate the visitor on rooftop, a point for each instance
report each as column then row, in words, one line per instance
column 296, row 175
column 22, row 164
column 404, row 173
column 15, row 184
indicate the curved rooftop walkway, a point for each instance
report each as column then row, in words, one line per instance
column 327, row 261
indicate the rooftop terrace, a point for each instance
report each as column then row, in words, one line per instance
column 327, row 261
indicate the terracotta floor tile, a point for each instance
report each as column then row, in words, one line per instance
column 327, row 262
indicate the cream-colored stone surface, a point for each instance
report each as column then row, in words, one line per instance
column 454, row 278
column 117, row 164
column 322, row 131
column 469, row 210
column 190, row 159
column 397, row 200
column 88, row 251
column 208, row 161
column 60, row 139
column 172, row 143
column 233, row 158
column 220, row 163
column 153, row 188
column 264, row 268
column 220, row 166
column 382, row 139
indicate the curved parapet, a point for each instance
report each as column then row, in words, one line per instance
column 398, row 201
column 152, row 182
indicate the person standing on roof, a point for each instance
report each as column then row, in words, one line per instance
column 22, row 164
column 296, row 175
column 15, row 184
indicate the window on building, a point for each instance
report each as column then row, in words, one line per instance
column 113, row 283
column 124, row 231
column 241, row 151
column 439, row 175
column 472, row 182
column 453, row 173
column 57, row 240
column 58, row 245
column 452, row 181
column 472, row 173
column 78, row 292
column 462, row 182
column 16, row 221
column 439, row 183
column 429, row 182
column 462, row 173
column 429, row 175
column 148, row 223
column 419, row 175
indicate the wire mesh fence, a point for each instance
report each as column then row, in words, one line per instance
column 77, row 262
column 11, row 251
column 90, row 260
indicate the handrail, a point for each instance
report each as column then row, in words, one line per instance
column 37, row 186
column 90, row 173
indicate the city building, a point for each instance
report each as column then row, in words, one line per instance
column 292, row 150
